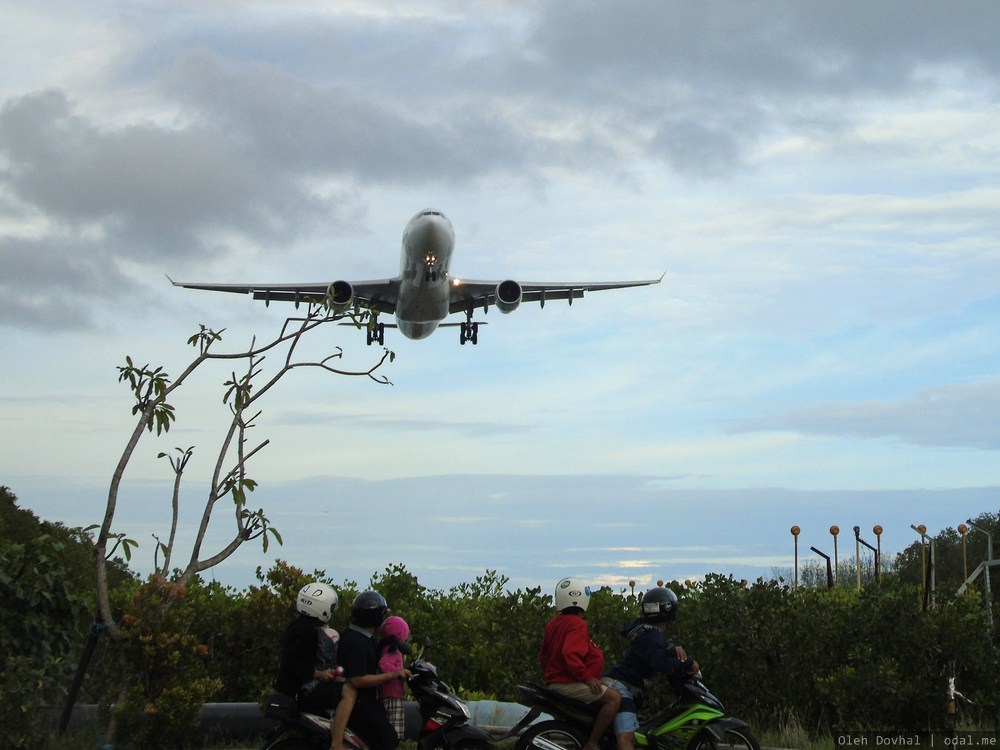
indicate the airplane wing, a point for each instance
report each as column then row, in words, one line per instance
column 380, row 294
column 468, row 295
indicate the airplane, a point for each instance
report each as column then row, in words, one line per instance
column 424, row 293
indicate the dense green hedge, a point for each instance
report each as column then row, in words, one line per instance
column 834, row 659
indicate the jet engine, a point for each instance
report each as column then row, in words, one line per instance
column 341, row 294
column 507, row 296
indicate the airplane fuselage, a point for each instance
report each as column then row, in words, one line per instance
column 424, row 293
column 424, row 297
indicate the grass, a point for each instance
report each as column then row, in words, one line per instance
column 791, row 735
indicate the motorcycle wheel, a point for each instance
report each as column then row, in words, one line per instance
column 470, row 745
column 550, row 735
column 704, row 740
column 739, row 739
column 296, row 743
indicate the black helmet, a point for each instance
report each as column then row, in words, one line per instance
column 659, row 605
column 369, row 609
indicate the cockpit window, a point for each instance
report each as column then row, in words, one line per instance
column 431, row 213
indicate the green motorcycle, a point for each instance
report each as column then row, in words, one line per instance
column 696, row 720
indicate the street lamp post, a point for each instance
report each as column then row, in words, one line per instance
column 835, row 530
column 877, row 531
column 964, row 531
column 857, row 553
column 795, row 533
column 927, row 581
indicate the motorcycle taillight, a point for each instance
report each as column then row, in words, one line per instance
column 431, row 725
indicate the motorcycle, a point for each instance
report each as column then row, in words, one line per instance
column 445, row 719
column 696, row 720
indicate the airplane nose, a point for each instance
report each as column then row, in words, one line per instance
column 430, row 231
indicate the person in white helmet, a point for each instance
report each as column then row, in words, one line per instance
column 572, row 664
column 308, row 667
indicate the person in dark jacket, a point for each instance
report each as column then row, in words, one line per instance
column 359, row 659
column 649, row 653
column 308, row 667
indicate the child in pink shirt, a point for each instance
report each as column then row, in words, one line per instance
column 394, row 632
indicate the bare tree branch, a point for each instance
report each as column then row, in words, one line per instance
column 152, row 388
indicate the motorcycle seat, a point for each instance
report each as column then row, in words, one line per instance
column 541, row 694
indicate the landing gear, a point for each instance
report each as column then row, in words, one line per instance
column 469, row 332
column 376, row 334
column 469, row 329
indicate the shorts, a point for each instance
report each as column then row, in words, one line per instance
column 396, row 715
column 579, row 691
column 625, row 721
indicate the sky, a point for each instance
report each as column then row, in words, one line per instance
column 818, row 182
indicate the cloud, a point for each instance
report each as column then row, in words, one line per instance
column 269, row 149
column 816, row 178
column 339, row 524
column 700, row 88
column 88, row 209
column 147, row 189
column 315, row 131
column 52, row 284
column 786, row 48
column 466, row 520
column 394, row 425
column 949, row 416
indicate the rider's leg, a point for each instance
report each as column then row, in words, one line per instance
column 342, row 715
column 626, row 721
column 609, row 703
column 371, row 722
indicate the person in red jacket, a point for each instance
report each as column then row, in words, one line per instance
column 572, row 664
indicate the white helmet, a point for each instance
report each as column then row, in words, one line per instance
column 317, row 600
column 570, row 592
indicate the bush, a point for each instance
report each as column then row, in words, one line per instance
column 165, row 680
column 39, row 622
column 830, row 659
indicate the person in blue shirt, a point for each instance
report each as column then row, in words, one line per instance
column 649, row 653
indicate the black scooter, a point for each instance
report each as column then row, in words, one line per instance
column 445, row 719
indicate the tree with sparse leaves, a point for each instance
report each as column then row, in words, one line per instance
column 251, row 378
